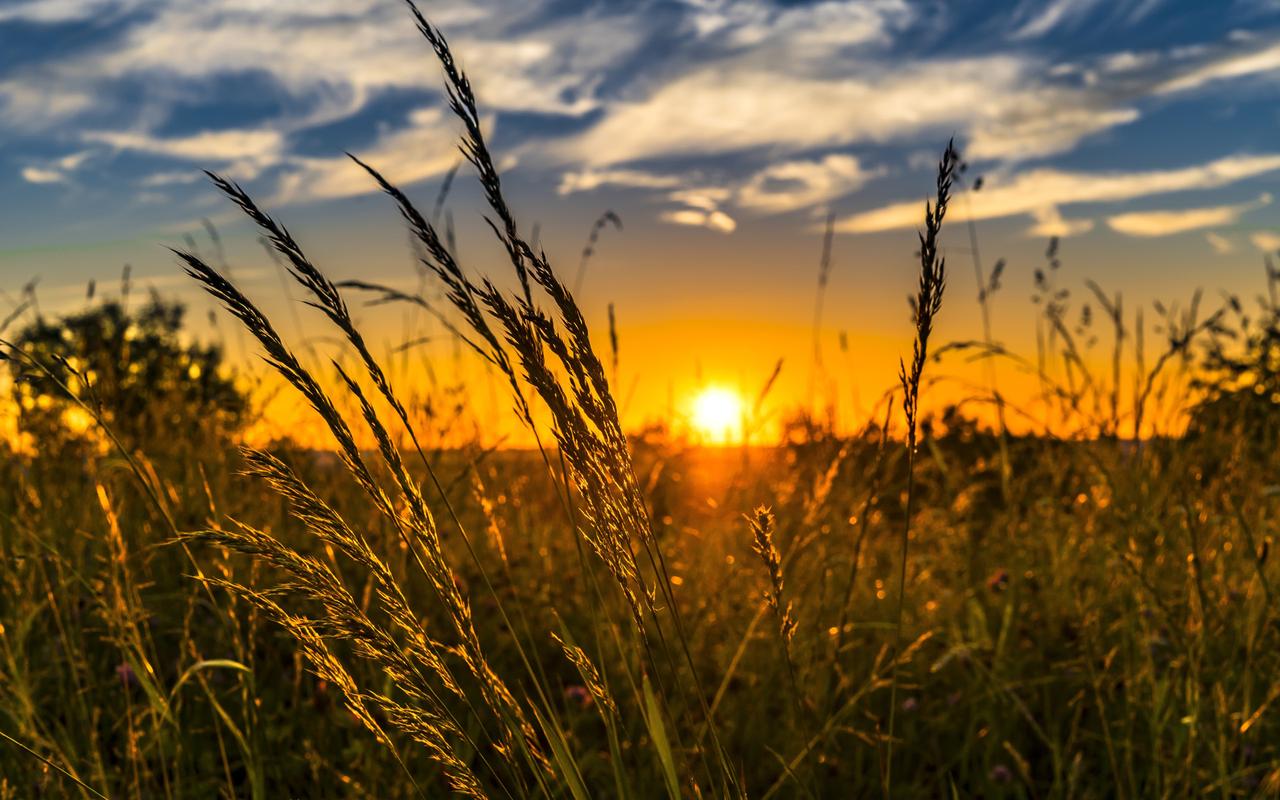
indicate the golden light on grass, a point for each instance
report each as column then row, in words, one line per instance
column 717, row 415
column 527, row 586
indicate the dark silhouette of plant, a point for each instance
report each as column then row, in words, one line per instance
column 1240, row 372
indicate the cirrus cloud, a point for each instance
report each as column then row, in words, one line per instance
column 1164, row 223
column 1033, row 191
column 787, row 102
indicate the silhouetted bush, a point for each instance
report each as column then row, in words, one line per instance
column 132, row 366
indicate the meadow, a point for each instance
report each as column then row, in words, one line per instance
column 985, row 600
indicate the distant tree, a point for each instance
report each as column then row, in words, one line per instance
column 1240, row 374
column 155, row 390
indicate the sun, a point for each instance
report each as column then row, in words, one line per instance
column 717, row 414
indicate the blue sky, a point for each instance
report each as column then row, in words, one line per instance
column 722, row 131
column 720, row 111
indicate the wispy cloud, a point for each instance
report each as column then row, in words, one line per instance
column 245, row 154
column 304, row 64
column 713, row 219
column 701, row 207
column 52, row 11
column 788, row 102
column 57, row 170
column 170, row 178
column 1242, row 62
column 775, row 189
column 249, row 151
column 742, row 107
column 816, row 30
column 1033, row 191
column 29, row 107
column 1164, row 223
column 1009, row 106
column 1050, row 15
column 1266, row 241
column 591, row 179
column 403, row 156
column 1049, row 222
column 335, row 55
column 1220, row 244
column 791, row 185
column 1040, row 18
column 40, row 175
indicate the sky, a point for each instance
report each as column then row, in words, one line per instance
column 722, row 133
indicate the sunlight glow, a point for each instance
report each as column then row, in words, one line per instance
column 717, row 415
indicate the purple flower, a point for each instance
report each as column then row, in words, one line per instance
column 126, row 675
column 998, row 580
column 1000, row 774
column 578, row 695
column 910, row 704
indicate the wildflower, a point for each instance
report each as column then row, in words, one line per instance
column 578, row 695
column 1000, row 774
column 998, row 580
column 126, row 675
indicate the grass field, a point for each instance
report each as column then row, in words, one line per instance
column 1073, row 600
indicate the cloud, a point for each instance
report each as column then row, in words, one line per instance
column 1266, row 241
column 55, row 11
column 777, row 188
column 416, row 153
column 1052, row 15
column 310, row 63
column 1232, row 64
column 1220, row 244
column 735, row 107
column 817, row 29
column 619, row 96
column 250, row 151
column 707, row 198
column 56, row 170
column 1007, row 106
column 1040, row 18
column 1042, row 125
column 1164, row 223
column 420, row 150
column 223, row 145
column 802, row 184
column 30, row 106
column 328, row 58
column 157, row 179
column 72, row 161
column 40, row 175
column 1033, row 191
column 1050, row 223
column 701, row 208
column 592, row 179
column 715, row 220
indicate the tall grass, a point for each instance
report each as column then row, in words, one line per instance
column 551, row 356
column 391, row 617
column 925, row 306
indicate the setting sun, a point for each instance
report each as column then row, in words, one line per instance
column 717, row 414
